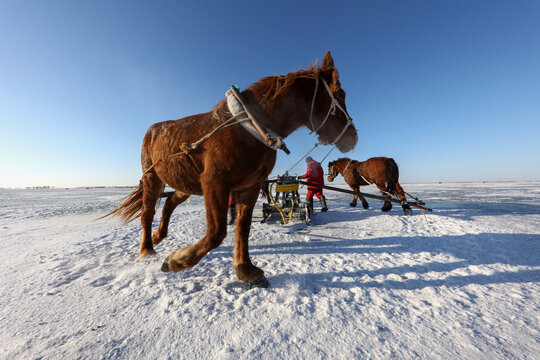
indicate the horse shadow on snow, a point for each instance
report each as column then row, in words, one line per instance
column 471, row 250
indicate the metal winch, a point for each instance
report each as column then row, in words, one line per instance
column 286, row 201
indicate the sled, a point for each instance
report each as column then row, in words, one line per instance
column 286, row 201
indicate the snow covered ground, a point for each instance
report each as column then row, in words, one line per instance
column 462, row 282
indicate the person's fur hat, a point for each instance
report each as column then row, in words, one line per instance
column 308, row 159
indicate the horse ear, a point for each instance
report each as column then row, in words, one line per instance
column 335, row 76
column 328, row 62
column 328, row 65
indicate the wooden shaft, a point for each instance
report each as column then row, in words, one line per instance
column 361, row 194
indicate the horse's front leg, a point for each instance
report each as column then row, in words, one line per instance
column 216, row 198
column 365, row 204
column 245, row 270
column 354, row 199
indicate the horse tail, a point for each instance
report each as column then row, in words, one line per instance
column 392, row 175
column 130, row 208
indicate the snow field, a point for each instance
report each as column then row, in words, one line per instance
column 461, row 282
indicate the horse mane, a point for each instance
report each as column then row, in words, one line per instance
column 271, row 87
column 341, row 159
column 268, row 88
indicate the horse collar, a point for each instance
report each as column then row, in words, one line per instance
column 239, row 109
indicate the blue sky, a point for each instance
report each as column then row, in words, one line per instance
column 449, row 89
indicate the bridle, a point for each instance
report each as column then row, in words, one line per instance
column 331, row 171
column 331, row 111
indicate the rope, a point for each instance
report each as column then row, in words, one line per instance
column 333, row 106
column 313, row 148
column 413, row 197
column 303, row 157
column 328, row 153
column 376, row 187
column 186, row 148
column 313, row 104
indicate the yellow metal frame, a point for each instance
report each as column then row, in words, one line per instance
column 287, row 187
column 284, row 188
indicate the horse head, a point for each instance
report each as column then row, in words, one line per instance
column 338, row 167
column 328, row 116
column 332, row 171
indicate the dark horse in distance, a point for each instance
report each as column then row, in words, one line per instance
column 229, row 158
column 381, row 171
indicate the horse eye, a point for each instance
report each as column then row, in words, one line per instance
column 340, row 95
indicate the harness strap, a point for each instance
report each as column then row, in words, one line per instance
column 346, row 167
column 332, row 109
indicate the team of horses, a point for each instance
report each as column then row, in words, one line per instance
column 209, row 154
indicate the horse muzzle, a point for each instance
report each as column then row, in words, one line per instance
column 348, row 140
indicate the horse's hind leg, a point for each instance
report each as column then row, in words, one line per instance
column 245, row 270
column 406, row 207
column 216, row 199
column 387, row 206
column 152, row 186
column 170, row 204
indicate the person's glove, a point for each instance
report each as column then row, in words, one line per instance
column 299, row 177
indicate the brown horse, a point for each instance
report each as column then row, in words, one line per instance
column 229, row 158
column 380, row 171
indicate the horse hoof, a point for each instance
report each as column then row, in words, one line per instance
column 365, row 206
column 259, row 283
column 407, row 211
column 352, row 204
column 146, row 253
column 165, row 265
column 156, row 239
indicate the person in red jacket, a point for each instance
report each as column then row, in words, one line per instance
column 314, row 174
column 233, row 198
